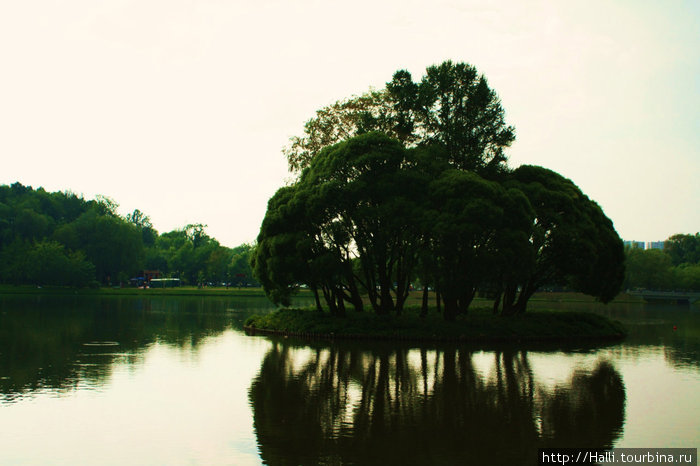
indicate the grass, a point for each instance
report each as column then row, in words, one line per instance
column 414, row 298
column 477, row 326
column 131, row 291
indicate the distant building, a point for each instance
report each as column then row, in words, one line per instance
column 655, row 245
column 642, row 245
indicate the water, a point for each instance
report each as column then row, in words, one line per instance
column 119, row 380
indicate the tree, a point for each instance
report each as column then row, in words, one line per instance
column 239, row 268
column 452, row 106
column 683, row 249
column 572, row 241
column 348, row 220
column 465, row 215
column 649, row 269
column 143, row 222
column 195, row 234
column 687, row 277
column 277, row 262
column 114, row 246
column 338, row 122
column 106, row 205
column 51, row 264
column 369, row 194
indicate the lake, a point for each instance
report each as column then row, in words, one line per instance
column 174, row 380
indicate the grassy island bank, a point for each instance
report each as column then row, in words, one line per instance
column 479, row 326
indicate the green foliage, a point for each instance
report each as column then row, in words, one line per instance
column 239, row 268
column 452, row 106
column 110, row 243
column 367, row 215
column 61, row 239
column 650, row 269
column 464, row 217
column 654, row 269
column 572, row 242
column 45, row 263
column 51, row 264
column 351, row 204
column 683, row 249
column 338, row 122
column 687, row 277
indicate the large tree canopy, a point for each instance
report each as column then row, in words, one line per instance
column 348, row 219
column 572, row 242
column 367, row 216
column 452, row 106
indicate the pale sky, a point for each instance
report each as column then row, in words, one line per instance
column 180, row 108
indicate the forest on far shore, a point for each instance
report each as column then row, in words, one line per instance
column 675, row 268
column 60, row 238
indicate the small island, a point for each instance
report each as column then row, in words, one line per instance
column 477, row 328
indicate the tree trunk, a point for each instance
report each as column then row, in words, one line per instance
column 401, row 294
column 525, row 295
column 424, row 303
column 497, row 301
column 319, row 308
column 330, row 300
column 355, row 297
column 451, row 309
column 341, row 303
column 386, row 303
column 465, row 300
column 508, row 300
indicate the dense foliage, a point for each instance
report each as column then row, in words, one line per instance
column 62, row 239
column 452, row 106
column 675, row 268
column 369, row 217
column 410, row 184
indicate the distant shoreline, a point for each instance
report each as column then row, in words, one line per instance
column 414, row 296
column 131, row 291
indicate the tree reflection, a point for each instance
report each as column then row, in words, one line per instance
column 57, row 343
column 395, row 406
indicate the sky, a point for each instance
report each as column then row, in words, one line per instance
column 180, row 108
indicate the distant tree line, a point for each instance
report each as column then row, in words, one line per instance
column 410, row 184
column 676, row 267
column 60, row 238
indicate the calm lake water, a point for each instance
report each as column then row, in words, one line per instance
column 117, row 380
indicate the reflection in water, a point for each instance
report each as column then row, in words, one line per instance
column 396, row 406
column 63, row 343
column 198, row 400
column 672, row 328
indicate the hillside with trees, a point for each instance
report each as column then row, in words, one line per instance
column 62, row 239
